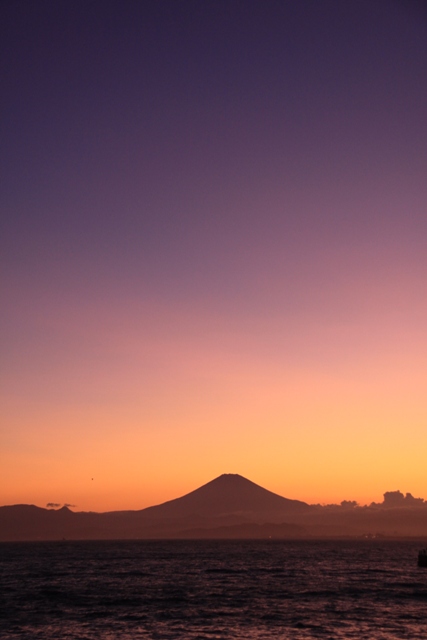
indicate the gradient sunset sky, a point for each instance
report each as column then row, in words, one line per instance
column 213, row 249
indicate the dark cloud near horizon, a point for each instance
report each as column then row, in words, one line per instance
column 57, row 505
column 397, row 499
column 392, row 499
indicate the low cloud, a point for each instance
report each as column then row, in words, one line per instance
column 57, row 505
column 393, row 499
column 349, row 504
column 397, row 499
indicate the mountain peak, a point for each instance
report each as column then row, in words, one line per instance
column 229, row 493
column 227, row 477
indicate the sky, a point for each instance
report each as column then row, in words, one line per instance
column 213, row 249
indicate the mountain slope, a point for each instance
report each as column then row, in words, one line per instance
column 229, row 500
column 229, row 494
column 228, row 507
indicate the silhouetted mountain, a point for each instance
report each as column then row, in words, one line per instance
column 228, row 507
column 229, row 495
column 228, row 501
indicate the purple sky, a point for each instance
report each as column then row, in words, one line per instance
column 240, row 177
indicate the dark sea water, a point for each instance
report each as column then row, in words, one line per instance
column 202, row 589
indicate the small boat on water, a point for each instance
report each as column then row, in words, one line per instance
column 422, row 558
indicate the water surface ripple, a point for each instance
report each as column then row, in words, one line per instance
column 212, row 589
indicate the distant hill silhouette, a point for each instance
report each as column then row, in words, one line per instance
column 229, row 506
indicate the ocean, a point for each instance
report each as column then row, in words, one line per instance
column 125, row 590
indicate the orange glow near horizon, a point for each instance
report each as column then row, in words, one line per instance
column 213, row 250
column 173, row 410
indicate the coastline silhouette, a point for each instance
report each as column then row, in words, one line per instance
column 230, row 506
